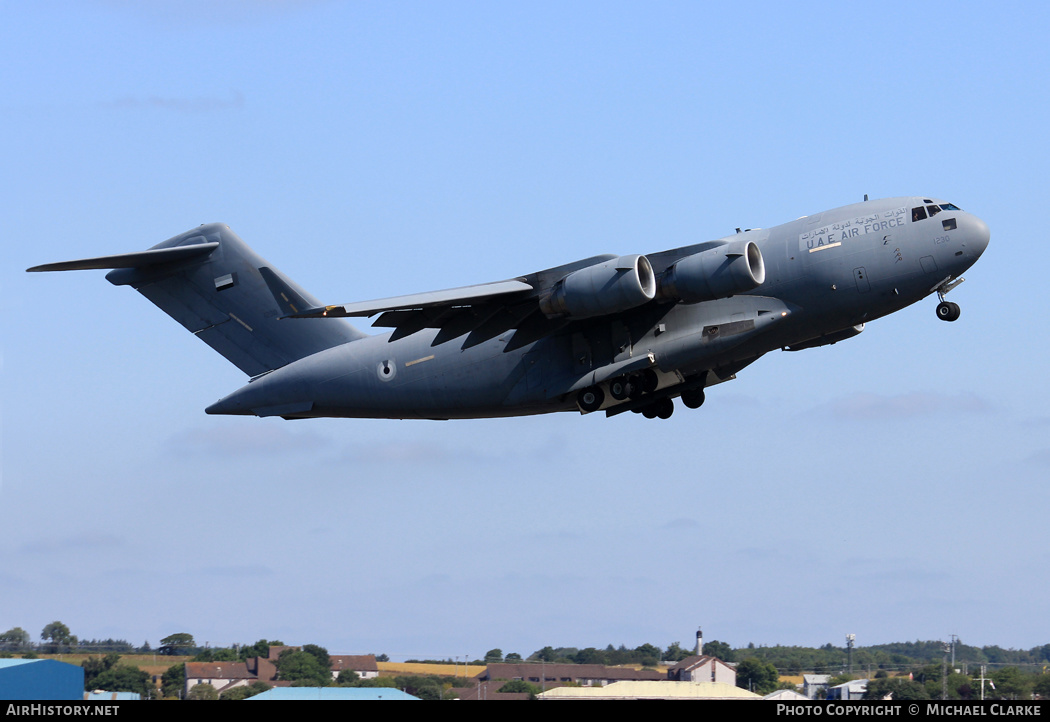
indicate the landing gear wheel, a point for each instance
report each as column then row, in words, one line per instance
column 649, row 381
column 590, row 399
column 948, row 311
column 664, row 408
column 634, row 383
column 693, row 398
column 649, row 412
column 620, row 388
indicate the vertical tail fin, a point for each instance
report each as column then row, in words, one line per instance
column 219, row 289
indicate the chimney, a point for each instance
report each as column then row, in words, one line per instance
column 699, row 641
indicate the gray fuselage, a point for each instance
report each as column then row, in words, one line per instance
column 825, row 275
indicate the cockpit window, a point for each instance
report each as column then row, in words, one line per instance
column 921, row 213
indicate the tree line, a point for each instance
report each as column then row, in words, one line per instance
column 759, row 668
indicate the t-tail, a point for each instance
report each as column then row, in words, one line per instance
column 218, row 288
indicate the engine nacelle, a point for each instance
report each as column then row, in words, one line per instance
column 715, row 273
column 611, row 287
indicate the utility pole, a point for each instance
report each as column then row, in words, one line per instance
column 983, row 680
column 850, row 639
column 944, row 672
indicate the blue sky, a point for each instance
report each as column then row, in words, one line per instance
column 893, row 486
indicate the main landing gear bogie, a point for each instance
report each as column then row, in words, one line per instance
column 633, row 387
column 620, row 388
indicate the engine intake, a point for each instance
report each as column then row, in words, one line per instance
column 715, row 273
column 611, row 287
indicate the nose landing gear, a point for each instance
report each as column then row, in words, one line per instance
column 946, row 310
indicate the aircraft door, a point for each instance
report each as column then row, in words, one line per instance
column 860, row 277
column 581, row 352
column 600, row 345
column 622, row 346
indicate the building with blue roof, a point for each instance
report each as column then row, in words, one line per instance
column 330, row 694
column 40, row 679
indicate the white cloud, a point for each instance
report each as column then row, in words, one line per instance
column 255, row 439
column 876, row 407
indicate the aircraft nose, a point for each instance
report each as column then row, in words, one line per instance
column 977, row 237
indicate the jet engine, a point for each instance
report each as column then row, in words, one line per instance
column 715, row 273
column 611, row 287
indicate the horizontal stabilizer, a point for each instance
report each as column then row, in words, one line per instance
column 141, row 259
column 464, row 296
column 225, row 294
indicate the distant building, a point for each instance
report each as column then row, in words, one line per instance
column 849, row 690
column 337, row 694
column 815, row 686
column 264, row 668
column 364, row 664
column 702, row 668
column 99, row 695
column 220, row 675
column 587, row 675
column 489, row 692
column 40, row 679
column 786, row 695
column 227, row 675
column 663, row 689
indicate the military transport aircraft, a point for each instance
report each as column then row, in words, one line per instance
column 612, row 333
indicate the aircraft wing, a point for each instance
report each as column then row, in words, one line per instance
column 462, row 296
column 482, row 311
